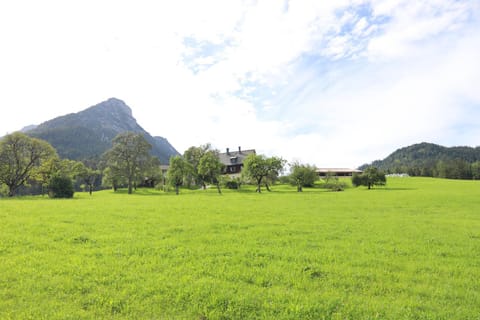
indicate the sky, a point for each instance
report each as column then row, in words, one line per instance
column 328, row 83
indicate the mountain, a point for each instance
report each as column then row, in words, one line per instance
column 423, row 158
column 89, row 133
column 28, row 128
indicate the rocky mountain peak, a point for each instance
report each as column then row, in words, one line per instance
column 115, row 105
column 89, row 133
column 113, row 114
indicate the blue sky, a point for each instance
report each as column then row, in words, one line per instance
column 330, row 83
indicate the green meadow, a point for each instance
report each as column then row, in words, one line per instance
column 410, row 250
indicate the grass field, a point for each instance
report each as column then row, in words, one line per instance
column 407, row 251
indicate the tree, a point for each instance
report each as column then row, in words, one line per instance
column 129, row 155
column 70, row 168
column 56, row 167
column 20, row 157
column 61, row 187
column 370, row 177
column 112, row 178
column 302, row 175
column 193, row 155
column 453, row 169
column 88, row 176
column 275, row 168
column 259, row 168
column 177, row 171
column 152, row 173
column 210, row 168
column 45, row 172
column 475, row 168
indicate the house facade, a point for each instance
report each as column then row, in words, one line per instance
column 233, row 161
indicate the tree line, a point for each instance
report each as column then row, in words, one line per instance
column 448, row 169
column 431, row 160
column 28, row 163
column 32, row 165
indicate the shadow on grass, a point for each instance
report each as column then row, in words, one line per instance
column 208, row 191
column 276, row 189
column 142, row 192
column 36, row 198
column 393, row 189
column 212, row 191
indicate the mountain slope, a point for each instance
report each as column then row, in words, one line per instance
column 89, row 133
column 424, row 156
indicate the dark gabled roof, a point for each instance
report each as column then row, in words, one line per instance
column 232, row 158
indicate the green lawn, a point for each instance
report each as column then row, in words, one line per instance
column 407, row 251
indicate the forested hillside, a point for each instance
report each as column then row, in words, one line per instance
column 432, row 160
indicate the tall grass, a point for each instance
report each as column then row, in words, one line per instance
column 407, row 251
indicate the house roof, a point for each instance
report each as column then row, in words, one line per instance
column 231, row 158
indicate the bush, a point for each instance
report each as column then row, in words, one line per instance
column 303, row 175
column 332, row 183
column 60, row 187
column 230, row 183
column 335, row 185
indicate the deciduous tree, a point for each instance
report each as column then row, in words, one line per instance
column 193, row 155
column 475, row 168
column 20, row 157
column 176, row 172
column 89, row 177
column 370, row 177
column 45, row 172
column 129, row 155
column 55, row 167
column 112, row 178
column 302, row 175
column 259, row 168
column 152, row 175
column 210, row 168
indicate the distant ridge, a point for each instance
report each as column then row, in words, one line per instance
column 89, row 133
column 424, row 156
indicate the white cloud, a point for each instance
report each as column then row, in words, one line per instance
column 332, row 83
column 410, row 23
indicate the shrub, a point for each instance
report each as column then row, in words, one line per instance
column 332, row 183
column 303, row 175
column 232, row 184
column 61, row 187
column 335, row 185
